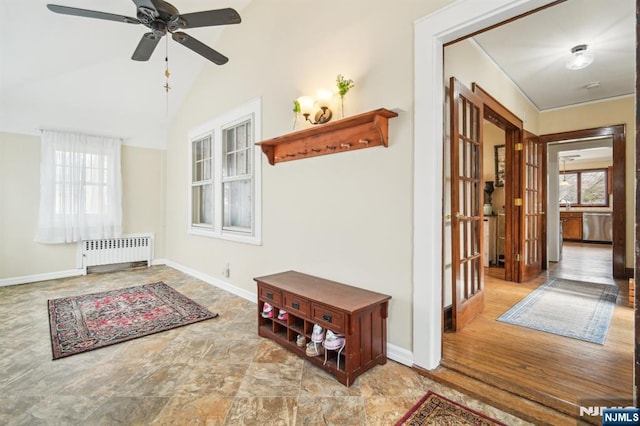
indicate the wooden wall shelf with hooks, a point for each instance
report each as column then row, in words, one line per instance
column 356, row 132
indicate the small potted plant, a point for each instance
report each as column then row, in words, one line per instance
column 296, row 111
column 343, row 87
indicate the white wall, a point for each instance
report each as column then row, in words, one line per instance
column 468, row 63
column 19, row 201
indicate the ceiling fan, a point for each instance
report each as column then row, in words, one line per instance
column 162, row 17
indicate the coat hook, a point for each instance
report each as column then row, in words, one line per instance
column 364, row 141
column 345, row 145
column 331, row 147
column 316, row 149
column 302, row 152
column 291, row 155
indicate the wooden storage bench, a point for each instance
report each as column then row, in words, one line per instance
column 360, row 315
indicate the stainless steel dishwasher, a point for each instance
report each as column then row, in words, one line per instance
column 597, row 226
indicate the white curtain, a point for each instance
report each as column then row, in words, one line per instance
column 80, row 188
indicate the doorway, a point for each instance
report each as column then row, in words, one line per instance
column 431, row 34
column 582, row 192
column 591, row 138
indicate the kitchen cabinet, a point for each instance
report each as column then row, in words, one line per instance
column 571, row 226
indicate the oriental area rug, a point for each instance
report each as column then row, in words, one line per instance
column 436, row 410
column 91, row 321
column 576, row 309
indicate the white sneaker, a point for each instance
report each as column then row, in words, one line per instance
column 318, row 334
column 333, row 341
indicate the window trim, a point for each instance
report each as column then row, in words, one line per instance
column 579, row 172
column 215, row 128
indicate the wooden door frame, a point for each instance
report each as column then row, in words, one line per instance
column 618, row 134
column 500, row 116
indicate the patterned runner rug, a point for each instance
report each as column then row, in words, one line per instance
column 568, row 308
column 436, row 410
column 91, row 321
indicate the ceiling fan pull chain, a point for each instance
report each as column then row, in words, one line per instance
column 166, row 72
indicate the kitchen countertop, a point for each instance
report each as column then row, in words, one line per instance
column 586, row 210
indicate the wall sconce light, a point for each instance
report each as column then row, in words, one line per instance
column 323, row 100
column 580, row 58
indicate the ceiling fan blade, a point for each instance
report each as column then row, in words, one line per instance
column 209, row 18
column 148, row 7
column 91, row 14
column 145, row 48
column 200, row 48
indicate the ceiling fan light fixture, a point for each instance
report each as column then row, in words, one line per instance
column 580, row 58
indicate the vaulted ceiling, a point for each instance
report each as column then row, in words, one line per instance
column 74, row 73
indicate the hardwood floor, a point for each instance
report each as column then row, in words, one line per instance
column 557, row 372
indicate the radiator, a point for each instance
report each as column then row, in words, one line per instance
column 125, row 249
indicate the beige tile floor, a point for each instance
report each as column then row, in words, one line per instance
column 216, row 372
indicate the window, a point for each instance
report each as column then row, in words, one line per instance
column 226, row 176
column 237, row 180
column 202, row 183
column 584, row 188
column 80, row 188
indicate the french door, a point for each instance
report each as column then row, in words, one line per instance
column 533, row 219
column 467, row 272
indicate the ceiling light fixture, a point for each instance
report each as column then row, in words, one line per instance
column 564, row 181
column 580, row 58
column 592, row 85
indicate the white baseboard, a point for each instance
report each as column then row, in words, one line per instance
column 400, row 355
column 40, row 277
column 251, row 297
